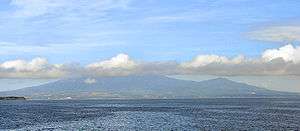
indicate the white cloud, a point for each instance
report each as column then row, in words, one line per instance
column 36, row 68
column 118, row 65
column 22, row 65
column 277, row 34
column 204, row 60
column 121, row 61
column 288, row 53
column 90, row 81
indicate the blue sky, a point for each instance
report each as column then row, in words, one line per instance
column 42, row 39
column 151, row 30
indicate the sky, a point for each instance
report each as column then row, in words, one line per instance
column 43, row 39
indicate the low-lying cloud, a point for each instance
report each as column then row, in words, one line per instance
column 282, row 61
column 121, row 61
column 288, row 53
column 118, row 65
column 36, row 68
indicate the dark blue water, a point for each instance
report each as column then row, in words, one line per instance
column 200, row 114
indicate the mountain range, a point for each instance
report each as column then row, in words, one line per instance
column 142, row 87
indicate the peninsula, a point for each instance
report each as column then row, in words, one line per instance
column 12, row 98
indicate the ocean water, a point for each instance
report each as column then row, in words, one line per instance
column 197, row 114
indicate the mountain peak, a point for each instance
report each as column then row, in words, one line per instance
column 221, row 79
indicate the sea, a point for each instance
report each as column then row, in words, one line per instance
column 253, row 114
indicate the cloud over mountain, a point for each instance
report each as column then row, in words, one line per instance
column 118, row 65
column 90, row 81
column 120, row 61
column 282, row 61
column 204, row 60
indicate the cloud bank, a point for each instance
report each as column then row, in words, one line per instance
column 282, row 61
column 36, row 68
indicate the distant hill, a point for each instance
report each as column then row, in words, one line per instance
column 136, row 87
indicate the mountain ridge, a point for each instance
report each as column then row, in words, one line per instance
column 142, row 86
